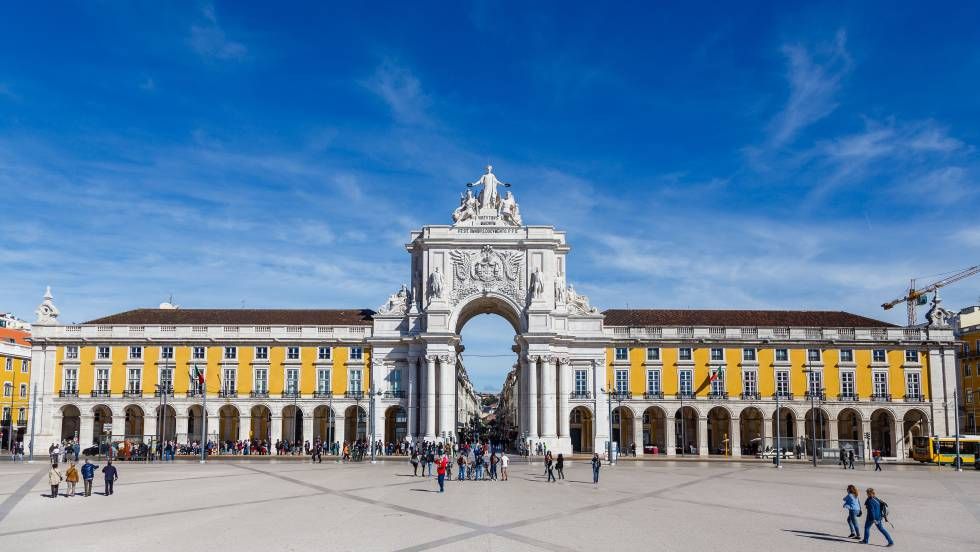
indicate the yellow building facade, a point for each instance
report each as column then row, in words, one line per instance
column 15, row 383
column 968, row 333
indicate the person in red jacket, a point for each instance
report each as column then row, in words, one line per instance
column 441, row 466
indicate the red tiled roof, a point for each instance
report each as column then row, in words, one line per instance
column 10, row 335
column 248, row 317
column 749, row 318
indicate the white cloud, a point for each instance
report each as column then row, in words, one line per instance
column 401, row 90
column 815, row 78
column 209, row 39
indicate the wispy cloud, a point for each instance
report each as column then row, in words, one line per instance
column 401, row 90
column 209, row 39
column 815, row 77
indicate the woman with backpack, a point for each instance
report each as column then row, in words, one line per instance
column 853, row 508
column 415, row 462
column 596, row 464
column 560, row 466
column 877, row 511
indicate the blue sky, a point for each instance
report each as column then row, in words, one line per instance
column 762, row 156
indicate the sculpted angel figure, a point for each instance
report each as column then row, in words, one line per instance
column 509, row 209
column 467, row 207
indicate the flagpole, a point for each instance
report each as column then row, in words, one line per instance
column 204, row 433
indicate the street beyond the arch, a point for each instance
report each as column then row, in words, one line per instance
column 669, row 505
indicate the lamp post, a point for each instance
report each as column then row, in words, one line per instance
column 778, row 413
column 10, row 418
column 372, row 395
column 813, row 390
column 609, row 416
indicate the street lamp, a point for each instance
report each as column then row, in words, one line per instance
column 371, row 395
column 813, row 390
column 609, row 416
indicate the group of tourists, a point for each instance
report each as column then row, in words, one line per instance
column 877, row 514
column 72, row 474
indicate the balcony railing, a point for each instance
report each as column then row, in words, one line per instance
column 580, row 395
column 228, row 394
column 259, row 394
column 815, row 395
column 100, row 394
column 881, row 397
column 290, row 394
column 655, row 395
column 394, row 394
column 719, row 396
column 847, row 397
column 191, row 393
column 133, row 393
column 915, row 398
column 322, row 394
column 755, row 396
column 159, row 392
column 685, row 395
column 621, row 395
column 68, row 393
column 22, row 423
column 356, row 395
column 782, row 396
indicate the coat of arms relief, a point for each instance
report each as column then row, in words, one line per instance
column 477, row 272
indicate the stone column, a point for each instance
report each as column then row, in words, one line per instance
column 548, row 398
column 800, row 434
column 638, row 434
column 447, row 395
column 865, row 430
column 244, row 428
column 182, row 434
column 410, row 402
column 430, row 398
column 275, row 428
column 670, row 435
column 832, row 434
column 308, row 427
column 86, row 425
column 564, row 388
column 532, row 397
column 735, row 438
column 339, row 427
column 898, row 438
column 703, row 436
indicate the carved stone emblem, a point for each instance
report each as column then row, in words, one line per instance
column 485, row 271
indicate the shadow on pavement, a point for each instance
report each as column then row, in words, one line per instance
column 819, row 536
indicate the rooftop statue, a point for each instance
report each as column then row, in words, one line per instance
column 489, row 198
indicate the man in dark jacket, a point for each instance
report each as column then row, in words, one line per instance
column 88, row 474
column 111, row 475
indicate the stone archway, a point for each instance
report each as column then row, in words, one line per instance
column 686, row 431
column 849, row 427
column 719, row 431
column 915, row 423
column 166, row 423
column 623, row 430
column 883, row 432
column 71, row 423
column 816, row 419
column 102, row 415
column 355, row 424
column 292, row 424
column 195, row 423
column 324, row 424
column 655, row 430
column 261, row 419
column 133, row 426
column 784, row 430
column 752, row 431
column 581, row 426
column 228, row 422
column 396, row 425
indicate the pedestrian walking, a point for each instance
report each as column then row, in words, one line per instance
column 415, row 462
column 843, row 459
column 596, row 464
column 443, row 464
column 850, row 459
column 560, row 466
column 111, row 474
column 876, row 455
column 430, row 459
column 88, row 474
column 71, row 477
column 853, row 508
column 504, row 464
column 54, row 479
column 493, row 466
column 549, row 467
column 877, row 512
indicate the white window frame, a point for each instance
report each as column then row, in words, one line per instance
column 71, row 352
column 107, row 380
column 720, row 357
column 286, row 380
column 260, row 384
column 356, row 353
column 874, row 355
column 103, row 352
column 789, row 383
column 585, row 381
column 138, row 380
column 685, row 351
column 320, row 352
column 9, row 365
column 199, row 353
column 233, row 371
column 814, row 381
column 877, row 375
column 653, row 377
column 775, row 355
column 852, row 383
column 261, row 352
column 811, row 353
column 25, row 366
column 625, row 354
column 749, row 352
column 135, row 352
column 70, row 380
column 653, row 354
column 293, row 353
column 230, row 353
column 395, row 380
column 168, row 371
column 8, row 389
column 618, row 379
column 718, row 384
column 914, row 354
column 750, row 382
column 690, row 381
column 166, row 352
column 917, row 376
column 850, row 355
column 355, row 375
column 323, row 383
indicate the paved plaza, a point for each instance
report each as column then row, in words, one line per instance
column 268, row 505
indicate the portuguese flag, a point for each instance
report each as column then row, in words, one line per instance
column 717, row 373
column 198, row 375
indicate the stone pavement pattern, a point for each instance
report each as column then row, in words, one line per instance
column 667, row 505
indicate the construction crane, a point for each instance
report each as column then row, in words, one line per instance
column 916, row 297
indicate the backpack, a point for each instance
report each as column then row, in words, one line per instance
column 884, row 509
